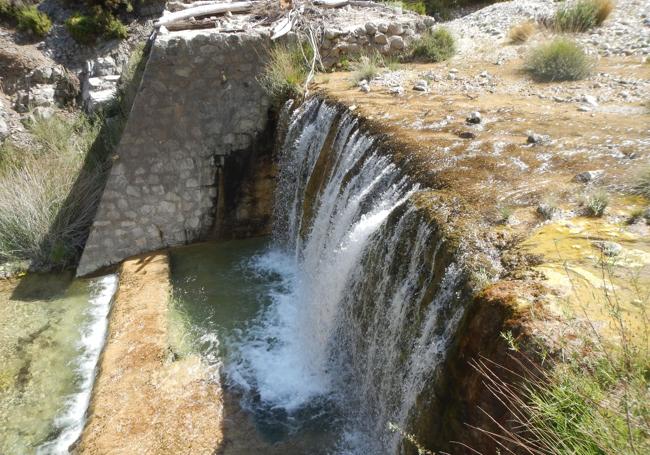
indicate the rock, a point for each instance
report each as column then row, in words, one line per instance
column 395, row 29
column 584, row 109
column 364, row 86
column 41, row 75
column 467, row 135
column 382, row 28
column 332, row 33
column 547, row 211
column 380, row 38
column 397, row 91
column 536, row 139
column 103, row 66
column 474, row 118
column 396, row 43
column 371, row 28
column 41, row 95
column 588, row 176
column 421, row 85
column 4, row 129
column 429, row 21
column 590, row 100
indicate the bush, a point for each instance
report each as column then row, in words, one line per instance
column 41, row 218
column 367, row 67
column 642, row 184
column 285, row 73
column 32, row 21
column 596, row 203
column 582, row 16
column 26, row 18
column 521, row 32
column 433, row 46
column 559, row 60
column 86, row 29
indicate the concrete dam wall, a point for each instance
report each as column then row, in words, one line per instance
column 199, row 107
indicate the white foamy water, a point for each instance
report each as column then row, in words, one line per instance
column 359, row 316
column 71, row 419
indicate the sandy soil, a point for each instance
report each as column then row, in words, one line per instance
column 143, row 401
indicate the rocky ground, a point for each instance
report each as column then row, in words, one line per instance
column 523, row 158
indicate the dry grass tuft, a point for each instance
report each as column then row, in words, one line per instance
column 521, row 32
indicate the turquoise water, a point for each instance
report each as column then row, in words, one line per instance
column 51, row 331
column 221, row 292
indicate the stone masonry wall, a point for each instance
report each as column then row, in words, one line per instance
column 199, row 101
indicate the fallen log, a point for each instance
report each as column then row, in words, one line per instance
column 204, row 10
column 342, row 3
column 180, row 6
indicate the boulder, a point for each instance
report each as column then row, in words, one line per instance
column 395, row 29
column 396, row 43
column 380, row 39
column 588, row 176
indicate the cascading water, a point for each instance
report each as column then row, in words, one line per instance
column 366, row 303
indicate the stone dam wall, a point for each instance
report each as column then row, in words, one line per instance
column 198, row 106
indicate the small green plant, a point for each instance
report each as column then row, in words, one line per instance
column 642, row 184
column 596, row 204
column 26, row 18
column 504, row 215
column 521, row 32
column 582, row 15
column 286, row 72
column 433, row 46
column 32, row 21
column 559, row 60
column 86, row 29
column 367, row 67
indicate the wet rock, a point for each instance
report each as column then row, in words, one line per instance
column 588, row 176
column 421, row 85
column 474, row 118
column 536, row 139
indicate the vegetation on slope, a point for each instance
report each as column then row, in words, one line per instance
column 26, row 18
column 87, row 28
column 285, row 74
column 433, row 46
column 559, row 60
column 582, row 15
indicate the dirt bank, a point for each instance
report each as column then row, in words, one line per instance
column 144, row 402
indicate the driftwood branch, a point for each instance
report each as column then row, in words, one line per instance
column 204, row 10
column 180, row 6
column 342, row 3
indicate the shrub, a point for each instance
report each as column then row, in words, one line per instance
column 559, row 60
column 26, row 18
column 32, row 21
column 367, row 67
column 596, row 203
column 86, row 29
column 582, row 16
column 433, row 46
column 521, row 32
column 285, row 73
column 642, row 184
column 41, row 217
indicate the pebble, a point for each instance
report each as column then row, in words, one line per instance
column 421, row 85
column 474, row 118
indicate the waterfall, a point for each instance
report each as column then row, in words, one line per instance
column 367, row 301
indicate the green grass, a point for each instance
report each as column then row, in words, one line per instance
column 433, row 46
column 40, row 219
column 558, row 60
column 582, row 16
column 642, row 184
column 285, row 74
column 87, row 28
column 27, row 18
column 367, row 67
